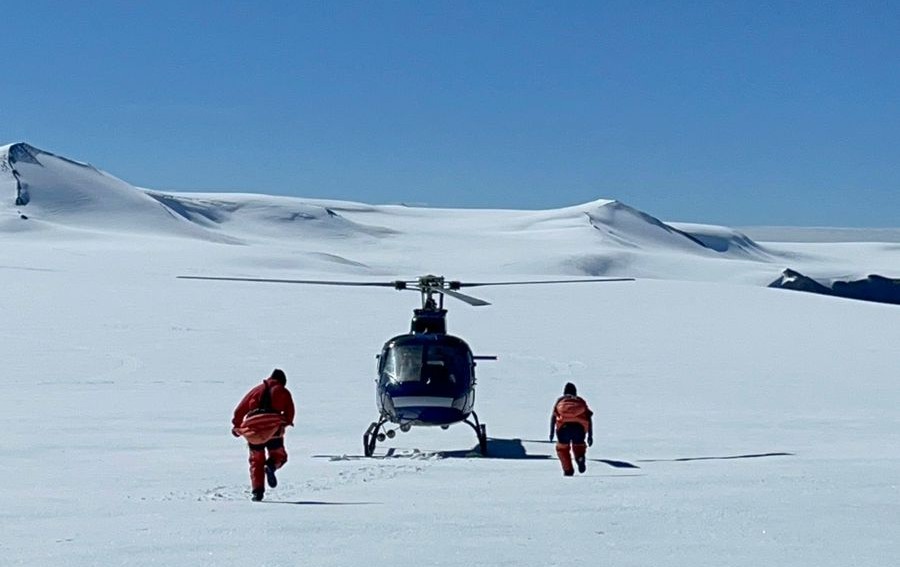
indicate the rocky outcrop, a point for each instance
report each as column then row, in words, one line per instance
column 872, row 288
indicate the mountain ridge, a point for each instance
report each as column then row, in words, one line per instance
column 57, row 196
column 52, row 187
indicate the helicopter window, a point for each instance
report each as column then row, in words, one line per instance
column 437, row 365
column 404, row 364
column 445, row 364
column 436, row 372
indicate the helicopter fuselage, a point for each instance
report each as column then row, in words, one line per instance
column 425, row 379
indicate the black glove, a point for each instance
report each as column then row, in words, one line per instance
column 551, row 437
column 590, row 440
column 234, row 432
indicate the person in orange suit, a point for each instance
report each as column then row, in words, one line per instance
column 571, row 421
column 260, row 418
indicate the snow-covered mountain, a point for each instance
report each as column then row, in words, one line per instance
column 65, row 197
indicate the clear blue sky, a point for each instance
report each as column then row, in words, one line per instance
column 735, row 113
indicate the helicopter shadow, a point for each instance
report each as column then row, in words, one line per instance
column 514, row 449
column 497, row 448
column 316, row 503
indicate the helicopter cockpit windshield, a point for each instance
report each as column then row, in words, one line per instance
column 404, row 364
column 440, row 366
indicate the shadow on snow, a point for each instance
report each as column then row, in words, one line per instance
column 514, row 449
column 316, row 503
column 683, row 459
column 514, row 442
column 503, row 449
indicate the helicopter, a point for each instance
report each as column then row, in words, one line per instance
column 425, row 377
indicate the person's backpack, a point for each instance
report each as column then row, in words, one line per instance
column 263, row 422
column 265, row 402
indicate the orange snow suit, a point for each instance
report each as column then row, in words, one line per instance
column 572, row 409
column 263, row 427
column 572, row 419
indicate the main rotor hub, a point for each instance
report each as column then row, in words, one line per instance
column 431, row 281
column 429, row 286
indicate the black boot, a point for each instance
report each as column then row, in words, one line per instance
column 258, row 495
column 270, row 476
column 582, row 464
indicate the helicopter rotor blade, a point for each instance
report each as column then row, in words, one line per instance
column 473, row 301
column 424, row 283
column 276, row 280
column 538, row 282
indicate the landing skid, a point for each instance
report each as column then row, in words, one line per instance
column 373, row 435
column 481, row 433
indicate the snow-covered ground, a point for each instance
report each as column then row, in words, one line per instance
column 735, row 425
